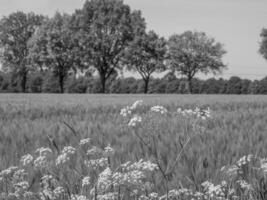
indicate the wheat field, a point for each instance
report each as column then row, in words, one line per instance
column 236, row 128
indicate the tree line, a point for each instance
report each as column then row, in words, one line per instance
column 44, row 82
column 102, row 39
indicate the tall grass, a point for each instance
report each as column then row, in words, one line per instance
column 237, row 128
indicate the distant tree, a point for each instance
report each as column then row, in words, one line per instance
column 211, row 86
column 76, row 85
column 15, row 32
column 245, row 86
column 262, row 86
column 263, row 43
column 194, row 52
column 146, row 55
column 104, row 29
column 52, row 46
column 234, row 85
column 36, row 82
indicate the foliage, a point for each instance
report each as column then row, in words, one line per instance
column 194, row 52
column 52, row 47
column 263, row 43
column 15, row 32
column 146, row 55
column 104, row 29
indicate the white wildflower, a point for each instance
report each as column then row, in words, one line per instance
column 58, row 191
column 136, row 104
column 8, row 172
column 44, row 151
column 244, row 185
column 84, row 141
column 40, row 162
column 86, row 181
column 134, row 121
column 78, row 197
column 26, row 160
column 108, row 151
column 126, row 111
column 159, row 109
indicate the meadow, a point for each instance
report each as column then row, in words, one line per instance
column 184, row 151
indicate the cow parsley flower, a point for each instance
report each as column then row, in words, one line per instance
column 159, row 109
column 86, row 181
column 108, row 151
column 134, row 121
column 84, row 141
column 26, row 160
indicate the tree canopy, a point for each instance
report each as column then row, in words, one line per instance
column 15, row 32
column 146, row 55
column 194, row 52
column 53, row 47
column 104, row 29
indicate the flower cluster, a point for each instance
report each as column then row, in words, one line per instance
column 135, row 120
column 159, row 109
column 65, row 155
column 197, row 112
column 128, row 110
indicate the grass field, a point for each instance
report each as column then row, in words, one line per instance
column 237, row 127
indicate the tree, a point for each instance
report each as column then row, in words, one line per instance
column 194, row 52
column 53, row 47
column 104, row 29
column 234, row 85
column 15, row 32
column 263, row 43
column 146, row 55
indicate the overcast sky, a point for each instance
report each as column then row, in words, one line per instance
column 235, row 23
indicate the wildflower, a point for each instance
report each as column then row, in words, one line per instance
column 153, row 195
column 197, row 112
column 78, row 197
column 244, row 160
column 8, row 172
column 108, row 196
column 24, row 185
column 44, row 151
column 126, row 111
column 69, row 150
column 244, row 185
column 28, row 195
column 159, row 109
column 62, row 159
column 136, row 104
column 65, row 156
column 19, row 175
column 40, row 162
column 104, row 180
column 86, row 181
column 133, row 122
column 263, row 165
column 26, row 160
column 97, row 163
column 109, row 151
column 84, row 141
column 58, row 191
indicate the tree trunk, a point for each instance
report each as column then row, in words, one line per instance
column 23, row 82
column 61, row 83
column 189, row 85
column 146, row 82
column 103, row 83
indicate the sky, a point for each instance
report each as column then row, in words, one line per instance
column 235, row 23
